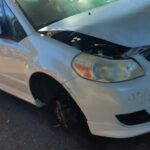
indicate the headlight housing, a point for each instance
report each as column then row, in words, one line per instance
column 106, row 70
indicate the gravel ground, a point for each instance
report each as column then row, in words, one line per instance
column 25, row 127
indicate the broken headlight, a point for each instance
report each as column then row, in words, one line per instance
column 106, row 70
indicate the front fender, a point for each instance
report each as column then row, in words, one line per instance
column 50, row 56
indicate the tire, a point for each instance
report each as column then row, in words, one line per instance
column 68, row 113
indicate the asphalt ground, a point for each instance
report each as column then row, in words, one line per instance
column 25, row 127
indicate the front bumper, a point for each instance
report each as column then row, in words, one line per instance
column 101, row 102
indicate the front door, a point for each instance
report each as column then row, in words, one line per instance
column 13, row 56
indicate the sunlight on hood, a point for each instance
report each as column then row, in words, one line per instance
column 124, row 22
column 50, row 11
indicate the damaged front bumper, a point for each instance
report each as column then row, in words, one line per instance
column 102, row 103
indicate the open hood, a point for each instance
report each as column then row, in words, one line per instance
column 123, row 22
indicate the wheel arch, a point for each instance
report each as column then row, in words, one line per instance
column 55, row 81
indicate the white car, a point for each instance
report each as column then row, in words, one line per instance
column 91, row 58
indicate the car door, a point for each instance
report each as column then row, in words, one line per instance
column 13, row 56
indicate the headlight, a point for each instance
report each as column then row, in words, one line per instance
column 106, row 70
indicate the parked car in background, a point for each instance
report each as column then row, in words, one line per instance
column 88, row 58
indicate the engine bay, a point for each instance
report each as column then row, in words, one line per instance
column 88, row 44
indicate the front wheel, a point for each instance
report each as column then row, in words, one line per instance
column 68, row 113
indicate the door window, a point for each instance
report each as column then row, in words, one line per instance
column 10, row 26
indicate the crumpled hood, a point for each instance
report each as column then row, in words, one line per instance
column 124, row 22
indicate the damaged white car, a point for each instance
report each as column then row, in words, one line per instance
column 91, row 58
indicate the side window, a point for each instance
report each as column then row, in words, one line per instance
column 11, row 28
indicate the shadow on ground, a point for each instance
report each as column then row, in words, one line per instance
column 25, row 127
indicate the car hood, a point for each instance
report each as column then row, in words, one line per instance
column 123, row 22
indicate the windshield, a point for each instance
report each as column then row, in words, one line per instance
column 44, row 12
